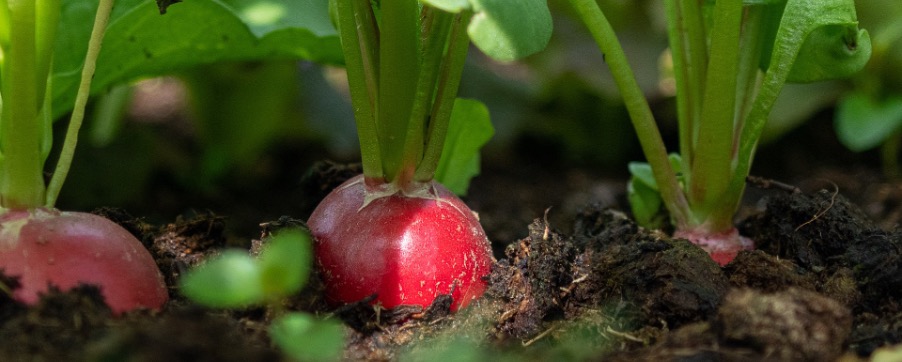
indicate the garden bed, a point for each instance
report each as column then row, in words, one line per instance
column 575, row 279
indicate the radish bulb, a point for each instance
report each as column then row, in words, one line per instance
column 407, row 249
column 44, row 247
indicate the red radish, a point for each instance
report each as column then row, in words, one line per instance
column 49, row 247
column 407, row 250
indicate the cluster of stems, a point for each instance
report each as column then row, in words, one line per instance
column 403, row 70
column 27, row 39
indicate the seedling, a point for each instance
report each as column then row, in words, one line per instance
column 236, row 280
column 731, row 58
column 38, row 244
column 394, row 231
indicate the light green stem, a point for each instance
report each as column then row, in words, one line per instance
column 711, row 169
column 637, row 106
column 358, row 32
column 690, row 59
column 436, row 25
column 21, row 177
column 448, row 83
column 81, row 100
column 399, row 55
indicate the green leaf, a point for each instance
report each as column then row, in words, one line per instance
column 285, row 263
column 863, row 122
column 642, row 191
column 141, row 42
column 641, row 172
column 232, row 280
column 469, row 129
column 451, row 6
column 507, row 30
column 831, row 52
column 304, row 338
column 645, row 202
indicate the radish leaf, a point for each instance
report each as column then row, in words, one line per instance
column 508, row 30
column 141, row 42
column 469, row 129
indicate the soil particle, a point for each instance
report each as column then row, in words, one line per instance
column 767, row 273
column 57, row 328
column 791, row 325
column 185, row 243
column 182, row 334
column 876, row 260
column 529, row 280
column 808, row 229
column 873, row 331
column 669, row 281
column 825, row 233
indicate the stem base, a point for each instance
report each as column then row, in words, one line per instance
column 722, row 246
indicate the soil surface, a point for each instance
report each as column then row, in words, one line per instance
column 575, row 279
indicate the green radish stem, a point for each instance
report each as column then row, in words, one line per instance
column 20, row 132
column 81, row 99
column 448, row 83
column 638, row 108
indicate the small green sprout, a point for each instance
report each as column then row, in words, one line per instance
column 238, row 280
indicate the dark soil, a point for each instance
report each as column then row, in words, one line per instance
column 578, row 281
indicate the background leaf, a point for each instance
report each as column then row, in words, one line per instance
column 863, row 122
column 141, row 42
column 230, row 281
column 469, row 129
column 507, row 30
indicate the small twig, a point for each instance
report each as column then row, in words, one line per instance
column 547, row 228
column 624, row 335
column 824, row 211
column 766, row 183
column 540, row 336
column 573, row 284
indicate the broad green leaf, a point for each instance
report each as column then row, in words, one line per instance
column 831, row 52
column 451, row 6
column 469, row 129
column 141, row 42
column 285, row 263
column 863, row 122
column 306, row 338
column 232, row 280
column 507, row 30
